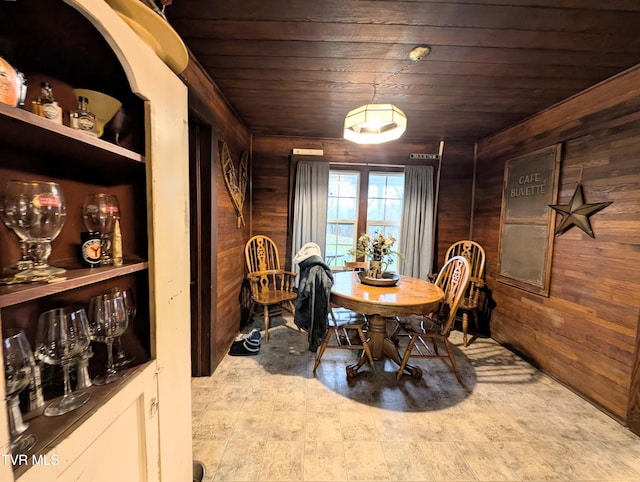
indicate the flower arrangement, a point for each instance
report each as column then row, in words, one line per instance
column 377, row 247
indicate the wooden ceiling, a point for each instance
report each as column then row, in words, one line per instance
column 296, row 67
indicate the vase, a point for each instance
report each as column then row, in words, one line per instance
column 375, row 268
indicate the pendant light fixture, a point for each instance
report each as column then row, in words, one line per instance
column 375, row 123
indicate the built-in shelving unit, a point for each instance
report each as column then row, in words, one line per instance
column 33, row 141
column 91, row 47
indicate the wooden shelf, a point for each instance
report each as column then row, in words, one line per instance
column 37, row 132
column 53, row 147
column 74, row 278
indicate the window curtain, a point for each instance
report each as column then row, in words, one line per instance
column 310, row 206
column 416, row 233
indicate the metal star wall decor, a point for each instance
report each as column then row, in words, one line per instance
column 577, row 213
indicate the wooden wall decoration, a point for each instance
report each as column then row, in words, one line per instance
column 526, row 224
column 236, row 182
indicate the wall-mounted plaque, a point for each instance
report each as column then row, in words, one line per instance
column 526, row 225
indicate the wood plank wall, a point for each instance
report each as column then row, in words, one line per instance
column 271, row 186
column 585, row 333
column 230, row 266
column 454, row 204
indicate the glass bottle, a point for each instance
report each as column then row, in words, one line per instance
column 81, row 119
column 90, row 248
column 46, row 106
column 117, row 245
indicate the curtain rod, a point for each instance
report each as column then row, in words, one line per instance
column 364, row 164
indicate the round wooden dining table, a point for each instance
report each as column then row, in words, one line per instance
column 410, row 296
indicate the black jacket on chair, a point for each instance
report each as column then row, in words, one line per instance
column 312, row 303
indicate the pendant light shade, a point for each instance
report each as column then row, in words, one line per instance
column 374, row 124
column 377, row 123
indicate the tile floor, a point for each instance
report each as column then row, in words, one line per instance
column 267, row 418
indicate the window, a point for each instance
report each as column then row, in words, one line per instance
column 342, row 215
column 384, row 204
column 355, row 206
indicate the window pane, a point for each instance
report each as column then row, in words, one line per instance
column 332, row 208
column 347, row 232
column 395, row 187
column 393, row 231
column 393, row 211
column 347, row 208
column 375, row 208
column 377, row 185
column 332, row 231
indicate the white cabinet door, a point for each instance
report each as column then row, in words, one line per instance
column 118, row 443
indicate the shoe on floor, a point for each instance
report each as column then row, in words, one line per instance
column 253, row 334
column 245, row 347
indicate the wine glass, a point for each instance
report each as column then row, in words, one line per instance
column 100, row 212
column 36, row 211
column 83, row 380
column 63, row 334
column 25, row 261
column 18, row 367
column 121, row 358
column 107, row 320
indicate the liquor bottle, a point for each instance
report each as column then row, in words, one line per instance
column 117, row 245
column 81, row 119
column 21, row 81
column 91, row 248
column 46, row 106
column 31, row 399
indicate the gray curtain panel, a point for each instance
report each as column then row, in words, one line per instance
column 310, row 206
column 417, row 230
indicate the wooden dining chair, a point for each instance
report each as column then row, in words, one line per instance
column 347, row 329
column 340, row 313
column 427, row 332
column 271, row 287
column 469, row 304
column 356, row 265
column 261, row 254
column 343, row 315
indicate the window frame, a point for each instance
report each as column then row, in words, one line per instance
column 363, row 196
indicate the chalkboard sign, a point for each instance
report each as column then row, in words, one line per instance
column 526, row 224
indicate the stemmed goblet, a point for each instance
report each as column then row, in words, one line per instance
column 63, row 334
column 121, row 358
column 36, row 211
column 18, row 367
column 83, row 380
column 107, row 320
column 100, row 212
column 25, row 261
